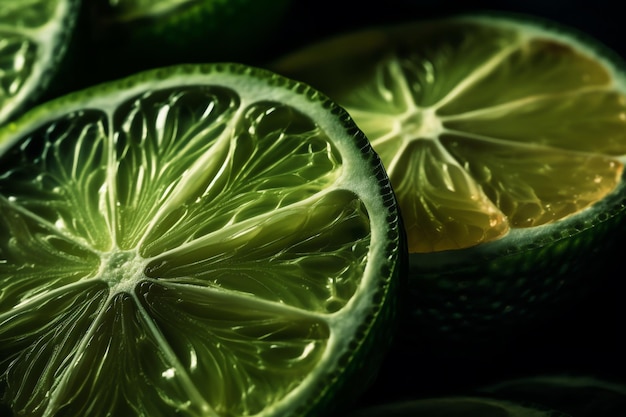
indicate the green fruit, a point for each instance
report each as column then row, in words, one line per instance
column 209, row 240
column 505, row 140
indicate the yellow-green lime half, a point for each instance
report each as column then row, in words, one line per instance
column 34, row 38
column 209, row 240
column 504, row 137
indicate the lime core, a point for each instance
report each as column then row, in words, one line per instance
column 122, row 270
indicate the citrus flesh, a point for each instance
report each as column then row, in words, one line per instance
column 198, row 240
column 33, row 40
column 504, row 137
column 485, row 125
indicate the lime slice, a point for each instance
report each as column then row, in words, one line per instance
column 34, row 36
column 207, row 240
column 504, row 138
column 457, row 406
column 150, row 33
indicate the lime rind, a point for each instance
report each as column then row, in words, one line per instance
column 34, row 38
column 509, row 283
column 313, row 257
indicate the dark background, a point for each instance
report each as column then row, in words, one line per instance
column 309, row 20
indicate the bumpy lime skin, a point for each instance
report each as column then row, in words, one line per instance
column 342, row 391
column 489, row 294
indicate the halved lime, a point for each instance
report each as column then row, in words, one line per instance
column 504, row 137
column 209, row 240
column 458, row 406
column 34, row 36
